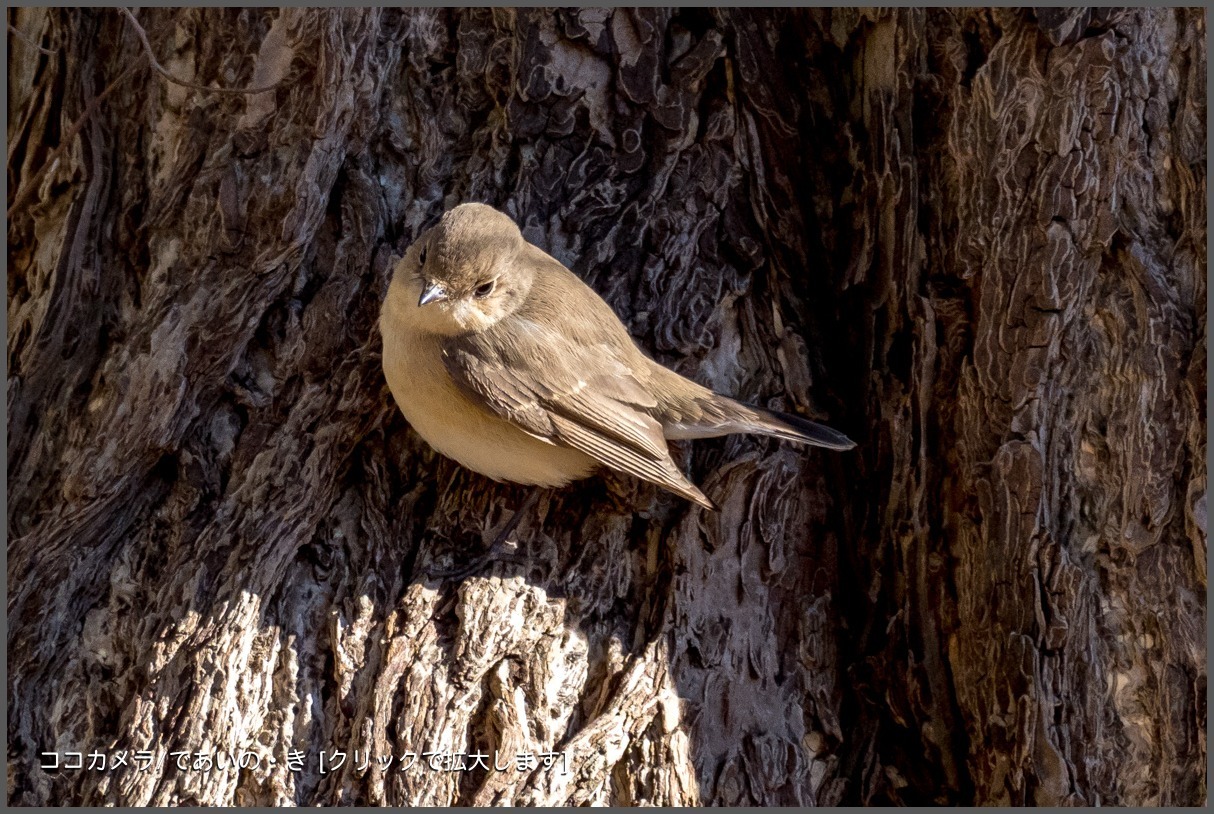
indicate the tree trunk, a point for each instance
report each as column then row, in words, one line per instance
column 973, row 240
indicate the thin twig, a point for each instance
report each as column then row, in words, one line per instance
column 27, row 189
column 28, row 40
column 160, row 69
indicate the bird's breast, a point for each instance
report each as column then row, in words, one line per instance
column 457, row 426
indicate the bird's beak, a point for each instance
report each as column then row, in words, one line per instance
column 432, row 292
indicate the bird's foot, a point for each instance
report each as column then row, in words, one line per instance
column 498, row 551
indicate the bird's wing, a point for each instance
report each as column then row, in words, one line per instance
column 569, row 394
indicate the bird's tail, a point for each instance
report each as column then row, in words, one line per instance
column 794, row 428
column 719, row 415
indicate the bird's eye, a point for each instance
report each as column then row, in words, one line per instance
column 484, row 289
column 421, row 258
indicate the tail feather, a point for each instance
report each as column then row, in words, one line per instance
column 794, row 428
column 718, row 415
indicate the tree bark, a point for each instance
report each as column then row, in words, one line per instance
column 973, row 240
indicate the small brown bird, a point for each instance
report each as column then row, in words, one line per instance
column 505, row 361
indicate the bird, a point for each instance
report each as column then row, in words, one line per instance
column 503, row 360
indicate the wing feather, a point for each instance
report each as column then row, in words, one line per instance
column 621, row 458
column 582, row 397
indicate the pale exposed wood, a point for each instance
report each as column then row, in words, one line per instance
column 973, row 240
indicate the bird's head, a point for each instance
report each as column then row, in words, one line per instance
column 462, row 274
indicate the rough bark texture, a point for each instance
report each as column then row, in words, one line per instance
column 973, row 240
